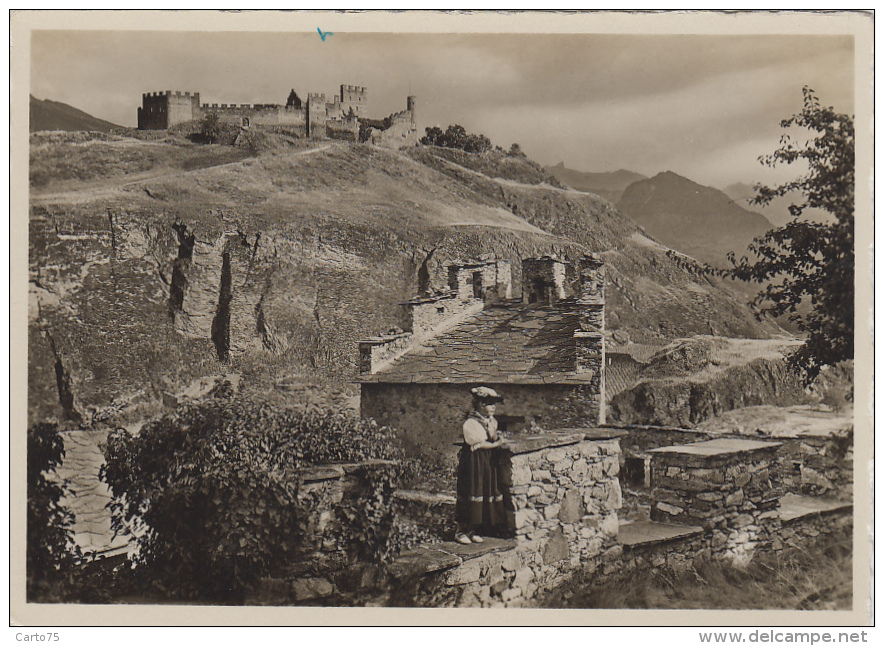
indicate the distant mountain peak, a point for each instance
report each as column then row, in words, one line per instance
column 697, row 220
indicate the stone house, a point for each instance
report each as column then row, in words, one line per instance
column 544, row 352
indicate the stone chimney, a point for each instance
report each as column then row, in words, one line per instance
column 543, row 281
column 590, row 338
column 487, row 280
column 471, row 286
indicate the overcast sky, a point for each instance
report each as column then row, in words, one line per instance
column 702, row 106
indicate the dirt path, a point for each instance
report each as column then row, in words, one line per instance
column 108, row 188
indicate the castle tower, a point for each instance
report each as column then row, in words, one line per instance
column 411, row 106
column 354, row 97
column 316, row 116
column 161, row 110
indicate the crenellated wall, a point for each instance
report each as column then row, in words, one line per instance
column 256, row 114
column 161, row 110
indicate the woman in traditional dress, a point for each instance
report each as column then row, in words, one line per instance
column 484, row 478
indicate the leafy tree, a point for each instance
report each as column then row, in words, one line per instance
column 457, row 137
column 432, row 137
column 210, row 128
column 51, row 551
column 516, row 151
column 806, row 259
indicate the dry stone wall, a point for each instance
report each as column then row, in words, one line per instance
column 728, row 487
column 566, row 494
column 818, row 465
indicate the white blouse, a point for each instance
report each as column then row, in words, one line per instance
column 475, row 431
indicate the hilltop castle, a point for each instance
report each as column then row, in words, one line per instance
column 317, row 117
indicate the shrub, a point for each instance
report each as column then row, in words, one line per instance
column 51, row 552
column 210, row 128
column 215, row 489
column 456, row 136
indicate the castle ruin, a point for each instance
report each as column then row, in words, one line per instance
column 316, row 117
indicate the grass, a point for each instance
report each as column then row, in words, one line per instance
column 817, row 578
column 71, row 162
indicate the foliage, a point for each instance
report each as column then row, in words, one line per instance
column 367, row 520
column 456, row 137
column 213, row 487
column 51, row 552
column 809, row 260
column 516, row 151
column 210, row 128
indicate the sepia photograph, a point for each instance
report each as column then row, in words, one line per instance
column 479, row 312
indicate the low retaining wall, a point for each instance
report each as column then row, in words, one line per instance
column 656, row 547
column 566, row 495
column 728, row 486
column 819, row 465
column 719, row 499
column 322, row 573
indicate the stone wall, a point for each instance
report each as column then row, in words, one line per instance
column 377, row 351
column 728, row 487
column 653, row 548
column 430, row 415
column 319, row 574
column 257, row 114
column 799, row 529
column 401, row 133
column 566, row 495
column 818, row 465
column 429, row 316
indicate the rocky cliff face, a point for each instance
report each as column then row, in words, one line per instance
column 274, row 267
column 686, row 402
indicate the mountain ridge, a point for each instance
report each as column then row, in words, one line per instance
column 46, row 114
column 697, row 220
column 609, row 185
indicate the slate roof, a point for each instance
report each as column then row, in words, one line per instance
column 505, row 343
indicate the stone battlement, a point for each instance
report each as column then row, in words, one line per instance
column 321, row 116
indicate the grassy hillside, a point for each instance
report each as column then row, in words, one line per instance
column 53, row 115
column 134, row 256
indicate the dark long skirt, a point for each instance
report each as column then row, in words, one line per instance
column 484, row 492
